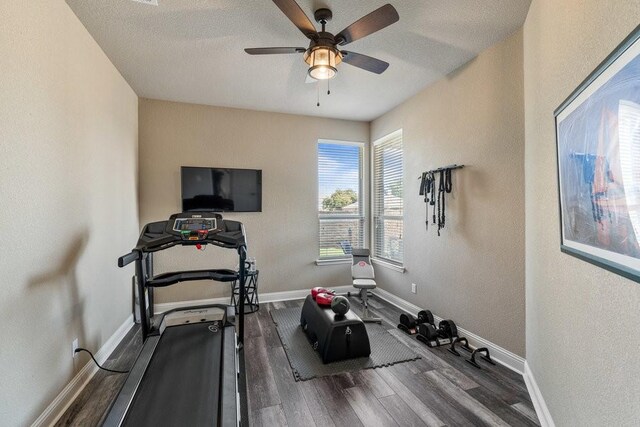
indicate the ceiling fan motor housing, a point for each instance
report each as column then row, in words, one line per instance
column 323, row 15
column 324, row 41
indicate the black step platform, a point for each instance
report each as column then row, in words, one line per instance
column 335, row 337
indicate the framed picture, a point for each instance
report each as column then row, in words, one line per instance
column 598, row 149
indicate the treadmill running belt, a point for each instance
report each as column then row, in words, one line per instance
column 182, row 384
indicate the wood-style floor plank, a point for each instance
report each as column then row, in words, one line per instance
column 277, row 305
column 509, row 414
column 98, row 405
column 496, row 375
column 316, row 406
column 400, row 411
column 367, row 407
column 251, row 327
column 370, row 379
column 423, row 412
column 419, row 366
column 526, row 410
column 293, row 405
column 330, row 391
column 446, row 409
column 485, row 378
column 263, row 389
column 461, row 397
column 267, row 327
column 270, row 416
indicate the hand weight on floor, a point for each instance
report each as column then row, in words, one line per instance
column 408, row 323
column 425, row 316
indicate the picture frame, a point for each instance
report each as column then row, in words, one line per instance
column 598, row 164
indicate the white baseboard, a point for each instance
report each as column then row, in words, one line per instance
column 544, row 416
column 499, row 354
column 263, row 298
column 66, row 397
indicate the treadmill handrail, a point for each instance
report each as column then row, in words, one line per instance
column 128, row 258
column 166, row 242
column 171, row 278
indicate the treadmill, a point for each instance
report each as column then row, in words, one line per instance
column 190, row 370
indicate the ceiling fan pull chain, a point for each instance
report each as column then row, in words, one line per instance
column 329, row 87
column 318, row 93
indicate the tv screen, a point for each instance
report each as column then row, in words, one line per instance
column 221, row 189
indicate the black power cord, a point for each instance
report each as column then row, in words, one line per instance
column 79, row 349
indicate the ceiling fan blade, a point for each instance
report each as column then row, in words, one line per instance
column 298, row 17
column 273, row 50
column 365, row 62
column 369, row 24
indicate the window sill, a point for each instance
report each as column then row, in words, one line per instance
column 334, row 261
column 385, row 264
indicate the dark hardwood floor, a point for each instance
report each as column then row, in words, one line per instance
column 439, row 389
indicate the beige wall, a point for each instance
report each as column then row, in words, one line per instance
column 588, row 370
column 68, row 162
column 474, row 272
column 283, row 237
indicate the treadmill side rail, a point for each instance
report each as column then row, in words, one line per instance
column 119, row 409
column 230, row 397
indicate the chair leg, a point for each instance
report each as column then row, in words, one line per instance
column 364, row 296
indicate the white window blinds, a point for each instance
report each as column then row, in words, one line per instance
column 388, row 225
column 340, row 201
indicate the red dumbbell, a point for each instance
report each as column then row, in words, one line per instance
column 324, row 299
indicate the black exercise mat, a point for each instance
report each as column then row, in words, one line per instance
column 306, row 363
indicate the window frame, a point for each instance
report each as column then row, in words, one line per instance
column 363, row 201
column 386, row 262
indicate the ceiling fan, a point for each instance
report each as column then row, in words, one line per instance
column 323, row 54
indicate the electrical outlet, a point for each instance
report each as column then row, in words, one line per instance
column 75, row 345
column 414, row 288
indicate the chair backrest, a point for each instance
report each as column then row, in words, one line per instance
column 346, row 247
column 361, row 267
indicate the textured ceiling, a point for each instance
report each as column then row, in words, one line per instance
column 192, row 50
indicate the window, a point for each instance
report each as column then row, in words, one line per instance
column 340, row 201
column 388, row 186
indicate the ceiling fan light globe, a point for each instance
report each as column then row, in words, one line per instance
column 322, row 62
column 322, row 72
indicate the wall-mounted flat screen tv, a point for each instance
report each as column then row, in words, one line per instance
column 221, row 189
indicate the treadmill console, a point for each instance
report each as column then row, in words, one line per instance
column 196, row 226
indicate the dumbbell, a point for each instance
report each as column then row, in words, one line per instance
column 408, row 323
column 444, row 334
column 425, row 316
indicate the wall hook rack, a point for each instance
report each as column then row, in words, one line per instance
column 450, row 167
column 436, row 197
